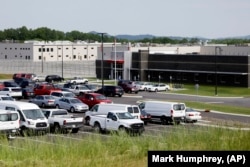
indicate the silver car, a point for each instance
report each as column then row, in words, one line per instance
column 43, row 101
column 71, row 104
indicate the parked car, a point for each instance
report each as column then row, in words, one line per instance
column 6, row 97
column 60, row 94
column 128, row 86
column 110, row 90
column 78, row 80
column 39, row 78
column 54, row 78
column 79, row 89
column 71, row 104
column 145, row 117
column 28, row 92
column 10, row 84
column 159, row 87
column 45, row 89
column 192, row 115
column 93, row 87
column 61, row 121
column 43, row 101
column 15, row 92
column 145, row 86
column 92, row 99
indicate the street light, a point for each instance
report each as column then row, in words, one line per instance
column 102, row 62
column 42, row 57
column 216, row 80
column 62, row 61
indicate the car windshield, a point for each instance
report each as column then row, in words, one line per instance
column 101, row 97
column 179, row 107
column 125, row 115
column 33, row 113
column 75, row 101
column 49, row 97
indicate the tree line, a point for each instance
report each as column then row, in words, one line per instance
column 46, row 34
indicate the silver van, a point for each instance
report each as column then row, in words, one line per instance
column 103, row 109
column 164, row 112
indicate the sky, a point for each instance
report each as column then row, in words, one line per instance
column 183, row 18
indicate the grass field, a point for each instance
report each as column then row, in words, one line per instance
column 115, row 150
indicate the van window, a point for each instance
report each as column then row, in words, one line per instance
column 94, row 108
column 136, row 110
column 10, row 108
column 179, row 107
column 9, row 117
column 130, row 109
column 142, row 105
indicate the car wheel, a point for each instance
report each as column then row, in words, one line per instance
column 72, row 109
column 57, row 128
column 43, row 105
column 75, row 130
column 156, row 90
column 164, row 121
column 87, row 119
column 145, row 89
column 97, row 128
column 122, row 130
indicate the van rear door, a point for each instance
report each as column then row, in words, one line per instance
column 9, row 121
column 178, row 110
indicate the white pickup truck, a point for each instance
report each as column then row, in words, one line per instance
column 117, row 120
column 9, row 123
column 78, row 80
column 61, row 121
column 79, row 89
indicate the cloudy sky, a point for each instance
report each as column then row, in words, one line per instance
column 184, row 18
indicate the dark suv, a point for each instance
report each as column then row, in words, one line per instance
column 128, row 86
column 54, row 78
column 111, row 91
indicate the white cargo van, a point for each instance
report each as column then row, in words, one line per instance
column 9, row 122
column 31, row 117
column 164, row 112
column 103, row 109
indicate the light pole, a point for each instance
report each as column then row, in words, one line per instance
column 62, row 61
column 102, row 62
column 115, row 61
column 42, row 57
column 216, row 80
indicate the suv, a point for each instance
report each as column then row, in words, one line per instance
column 128, row 86
column 54, row 78
column 111, row 90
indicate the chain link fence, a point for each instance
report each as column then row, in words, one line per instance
column 68, row 69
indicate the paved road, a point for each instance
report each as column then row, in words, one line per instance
column 232, row 101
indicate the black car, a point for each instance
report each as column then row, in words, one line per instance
column 111, row 91
column 10, row 84
column 27, row 92
column 54, row 78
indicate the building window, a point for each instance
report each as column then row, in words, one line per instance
column 51, row 56
column 74, row 56
column 40, row 57
column 85, row 56
column 15, row 48
column 92, row 48
column 92, row 55
column 67, row 55
column 51, row 49
column 85, row 48
column 67, row 48
column 5, row 56
column 47, row 49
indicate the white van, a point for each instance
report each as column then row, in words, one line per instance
column 103, row 109
column 164, row 112
column 31, row 117
column 9, row 122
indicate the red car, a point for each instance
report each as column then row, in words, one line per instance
column 45, row 89
column 93, row 98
